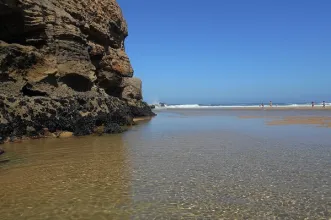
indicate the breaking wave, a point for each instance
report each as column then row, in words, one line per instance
column 254, row 105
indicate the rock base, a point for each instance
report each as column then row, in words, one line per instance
column 78, row 115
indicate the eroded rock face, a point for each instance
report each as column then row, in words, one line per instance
column 132, row 88
column 55, row 51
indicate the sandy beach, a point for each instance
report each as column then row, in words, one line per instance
column 308, row 120
column 323, row 121
column 318, row 115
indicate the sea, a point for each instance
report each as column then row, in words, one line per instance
column 159, row 105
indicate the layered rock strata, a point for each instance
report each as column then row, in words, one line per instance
column 63, row 66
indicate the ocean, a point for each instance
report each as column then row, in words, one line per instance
column 236, row 105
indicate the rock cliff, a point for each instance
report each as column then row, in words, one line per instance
column 63, row 66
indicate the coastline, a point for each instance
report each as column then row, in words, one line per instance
column 248, row 108
column 283, row 108
column 318, row 116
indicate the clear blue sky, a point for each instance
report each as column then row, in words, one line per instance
column 221, row 51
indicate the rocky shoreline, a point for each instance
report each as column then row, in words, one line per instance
column 81, row 115
column 63, row 67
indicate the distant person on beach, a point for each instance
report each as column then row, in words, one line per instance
column 262, row 105
column 312, row 104
column 270, row 103
column 323, row 104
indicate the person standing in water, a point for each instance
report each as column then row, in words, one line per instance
column 270, row 103
column 312, row 104
column 323, row 104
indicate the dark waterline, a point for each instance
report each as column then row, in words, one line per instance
column 191, row 164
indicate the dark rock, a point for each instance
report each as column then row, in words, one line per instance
column 84, row 125
column 113, row 128
column 31, row 131
column 78, row 114
column 140, row 108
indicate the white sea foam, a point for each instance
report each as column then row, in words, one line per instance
column 197, row 106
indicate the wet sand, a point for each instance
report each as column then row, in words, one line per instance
column 311, row 120
column 139, row 119
column 323, row 121
column 183, row 164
